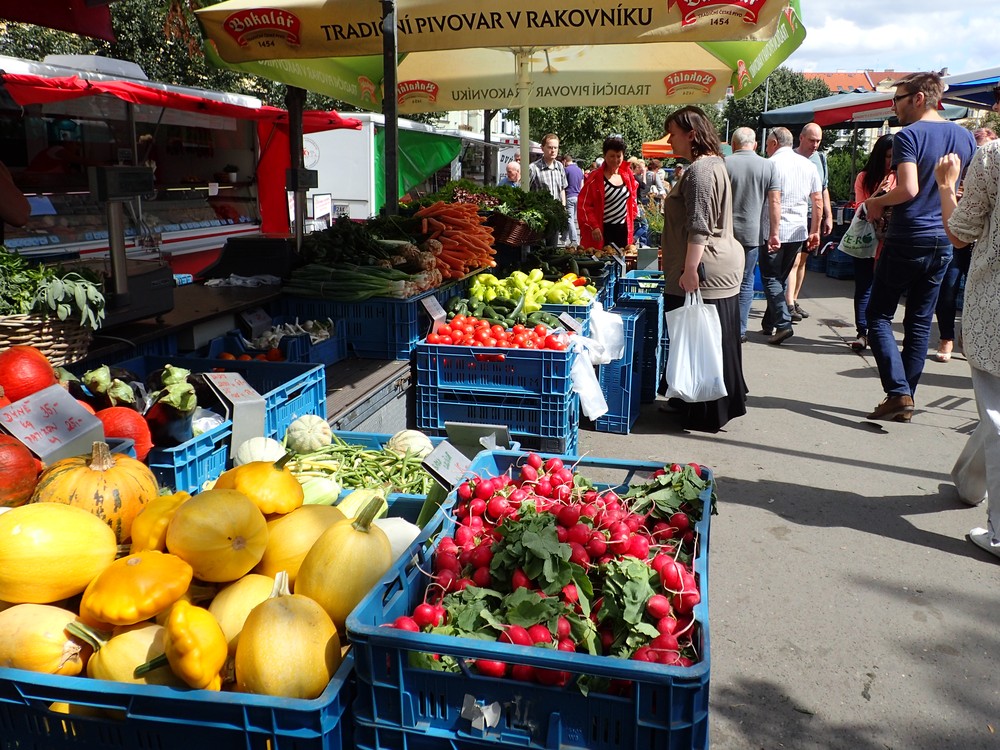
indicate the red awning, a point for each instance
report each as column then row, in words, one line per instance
column 74, row 16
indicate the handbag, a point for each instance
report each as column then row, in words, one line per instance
column 859, row 241
column 694, row 362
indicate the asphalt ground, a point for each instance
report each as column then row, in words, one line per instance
column 847, row 608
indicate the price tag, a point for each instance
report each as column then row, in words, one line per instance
column 52, row 424
column 243, row 405
column 446, row 464
column 571, row 323
column 434, row 309
column 471, row 438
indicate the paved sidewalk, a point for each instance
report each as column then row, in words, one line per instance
column 847, row 608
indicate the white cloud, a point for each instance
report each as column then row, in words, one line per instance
column 918, row 35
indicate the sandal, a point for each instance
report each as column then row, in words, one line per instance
column 860, row 343
column 943, row 354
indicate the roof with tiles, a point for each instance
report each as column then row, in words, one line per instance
column 861, row 80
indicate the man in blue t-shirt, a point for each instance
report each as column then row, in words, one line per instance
column 917, row 251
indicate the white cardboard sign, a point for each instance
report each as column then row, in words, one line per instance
column 52, row 424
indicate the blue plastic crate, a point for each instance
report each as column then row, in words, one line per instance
column 816, row 262
column 494, row 371
column 298, row 348
column 654, row 333
column 127, row 717
column 640, row 282
column 621, row 381
column 839, row 265
column 580, row 312
column 529, row 418
column 376, row 328
column 289, row 391
column 410, row 707
column 758, row 285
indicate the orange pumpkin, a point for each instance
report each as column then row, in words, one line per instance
column 25, row 370
column 114, row 487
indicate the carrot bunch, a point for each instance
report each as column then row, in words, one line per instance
column 466, row 242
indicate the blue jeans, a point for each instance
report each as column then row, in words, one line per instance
column 774, row 270
column 916, row 270
column 640, row 231
column 864, row 272
column 573, row 233
column 746, row 287
column 948, row 298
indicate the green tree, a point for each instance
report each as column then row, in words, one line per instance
column 844, row 163
column 783, row 88
column 582, row 130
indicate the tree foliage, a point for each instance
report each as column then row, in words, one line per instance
column 783, row 88
column 582, row 130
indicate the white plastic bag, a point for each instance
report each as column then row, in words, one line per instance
column 694, row 363
column 608, row 330
column 585, row 382
column 859, row 240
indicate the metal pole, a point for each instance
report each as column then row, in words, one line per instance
column 488, row 178
column 389, row 108
column 295, row 99
column 523, row 121
column 763, row 138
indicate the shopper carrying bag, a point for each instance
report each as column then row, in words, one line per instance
column 859, row 240
column 694, row 362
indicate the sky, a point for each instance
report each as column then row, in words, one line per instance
column 850, row 35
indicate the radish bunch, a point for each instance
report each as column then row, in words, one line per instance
column 541, row 557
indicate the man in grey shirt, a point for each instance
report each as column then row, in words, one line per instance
column 756, row 210
column 549, row 175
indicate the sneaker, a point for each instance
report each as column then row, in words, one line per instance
column 802, row 313
column 893, row 409
column 981, row 538
column 781, row 335
column 743, row 338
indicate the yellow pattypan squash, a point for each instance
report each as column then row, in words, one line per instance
column 194, row 645
column 271, row 485
column 149, row 529
column 135, row 588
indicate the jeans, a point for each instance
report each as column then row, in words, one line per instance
column 640, row 231
column 947, row 299
column 916, row 270
column 574, row 228
column 774, row 270
column 746, row 287
column 864, row 272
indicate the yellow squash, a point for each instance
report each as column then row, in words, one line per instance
column 117, row 654
column 271, row 485
column 232, row 605
column 112, row 486
column 149, row 529
column 291, row 536
column 135, row 588
column 34, row 637
column 51, row 551
column 344, row 564
column 194, row 647
column 220, row 533
column 289, row 647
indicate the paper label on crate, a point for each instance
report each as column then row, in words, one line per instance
column 244, row 406
column 446, row 464
column 52, row 424
column 434, row 309
column 571, row 323
column 481, row 715
column 256, row 320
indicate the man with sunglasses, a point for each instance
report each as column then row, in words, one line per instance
column 917, row 251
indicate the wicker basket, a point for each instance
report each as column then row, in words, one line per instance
column 62, row 342
column 508, row 231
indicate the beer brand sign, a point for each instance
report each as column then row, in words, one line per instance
column 692, row 10
column 367, row 88
column 700, row 81
column 409, row 91
column 247, row 26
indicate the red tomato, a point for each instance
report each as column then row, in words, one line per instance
column 519, row 338
column 491, row 341
column 458, row 321
column 482, row 334
column 541, row 331
column 443, row 331
column 529, row 343
column 518, row 328
column 497, row 331
column 555, row 342
column 469, row 328
column 482, row 324
column 433, row 338
column 457, row 337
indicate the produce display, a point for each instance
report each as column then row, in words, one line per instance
column 467, row 330
column 29, row 288
column 538, row 209
column 558, row 263
column 466, row 243
column 542, row 557
column 266, row 346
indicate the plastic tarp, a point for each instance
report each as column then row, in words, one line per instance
column 420, row 156
column 847, row 110
column 75, row 16
column 660, row 149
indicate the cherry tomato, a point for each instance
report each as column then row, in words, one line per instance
column 519, row 338
column 469, row 328
column 555, row 342
column 458, row 321
column 498, row 331
column 541, row 331
column 529, row 343
column 457, row 337
column 518, row 328
column 433, row 338
column 482, row 334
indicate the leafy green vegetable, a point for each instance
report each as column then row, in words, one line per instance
column 665, row 495
column 531, row 544
column 29, row 288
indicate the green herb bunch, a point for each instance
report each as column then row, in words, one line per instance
column 29, row 288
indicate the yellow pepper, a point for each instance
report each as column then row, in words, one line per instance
column 194, row 646
column 570, row 277
column 271, row 486
column 135, row 588
column 149, row 529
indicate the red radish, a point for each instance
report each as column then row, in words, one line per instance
column 659, row 561
column 658, row 606
column 680, row 521
column 491, row 668
column 589, row 510
column 563, row 628
column 447, row 546
column 464, row 491
column 483, row 491
column 607, row 639
column 663, row 530
column 580, row 533
column 569, row 515
column 686, row 601
column 482, row 578
column 516, row 635
column 497, row 507
column 644, row 653
column 446, row 579
column 565, row 475
column 569, row 594
column 463, row 536
column 425, row 615
column 517, row 497
column 440, row 613
column 695, row 468
column 562, row 493
column 668, row 625
column 638, row 546
column 671, row 659
column 633, row 522
column 476, row 523
column 553, row 464
column 672, row 575
column 523, row 673
column 482, row 555
column 446, row 562
column 406, row 623
column 684, row 661
column 462, row 584
column 25, row 370
column 657, row 473
column 477, row 505
column 578, row 554
column 529, row 474
column 562, row 534
column 597, row 545
column 519, row 580
column 533, row 460
column 539, row 634
column 674, row 468
column 543, row 488
column 566, row 644
column 664, row 642
column 551, row 677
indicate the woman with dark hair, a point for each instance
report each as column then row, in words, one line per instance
column 877, row 175
column 700, row 251
column 606, row 207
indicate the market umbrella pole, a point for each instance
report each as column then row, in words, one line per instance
column 389, row 109
column 294, row 101
column 523, row 58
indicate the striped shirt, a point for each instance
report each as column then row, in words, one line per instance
column 799, row 180
column 544, row 177
column 615, row 202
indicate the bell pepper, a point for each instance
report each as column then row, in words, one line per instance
column 149, row 529
column 195, row 647
column 580, row 281
column 557, row 295
column 535, row 275
column 487, row 279
column 569, row 277
column 135, row 588
column 272, row 486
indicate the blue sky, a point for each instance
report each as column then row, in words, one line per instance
column 849, row 35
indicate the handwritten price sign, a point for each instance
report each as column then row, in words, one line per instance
column 52, row 424
column 233, row 386
column 244, row 406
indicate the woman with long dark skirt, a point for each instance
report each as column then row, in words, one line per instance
column 700, row 251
